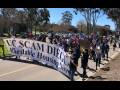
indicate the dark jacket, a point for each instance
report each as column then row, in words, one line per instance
column 77, row 53
column 106, row 47
column 85, row 58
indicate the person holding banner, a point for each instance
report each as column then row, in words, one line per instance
column 18, row 56
column 73, row 65
column 2, row 44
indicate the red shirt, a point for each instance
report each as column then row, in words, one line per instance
column 31, row 35
column 75, row 39
column 74, row 43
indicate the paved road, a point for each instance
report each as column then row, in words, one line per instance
column 27, row 70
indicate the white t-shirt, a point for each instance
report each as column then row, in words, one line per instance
column 67, row 41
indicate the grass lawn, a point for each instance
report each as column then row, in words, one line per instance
column 33, row 32
column 5, row 34
column 5, row 50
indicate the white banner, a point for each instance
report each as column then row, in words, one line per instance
column 40, row 51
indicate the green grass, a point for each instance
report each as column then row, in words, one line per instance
column 33, row 32
column 5, row 34
column 5, row 51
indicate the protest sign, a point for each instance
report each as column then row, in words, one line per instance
column 84, row 43
column 59, row 33
column 40, row 51
column 73, row 36
column 67, row 32
column 82, row 37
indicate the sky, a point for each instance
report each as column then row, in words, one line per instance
column 55, row 16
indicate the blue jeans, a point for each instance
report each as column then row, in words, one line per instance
column 71, row 73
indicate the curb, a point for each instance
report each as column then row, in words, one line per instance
column 89, row 73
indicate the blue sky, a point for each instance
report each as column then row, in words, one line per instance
column 55, row 16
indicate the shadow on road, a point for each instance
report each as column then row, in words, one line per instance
column 91, row 69
column 97, row 77
column 81, row 75
column 106, row 69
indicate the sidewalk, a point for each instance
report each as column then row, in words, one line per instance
column 90, row 73
column 110, row 72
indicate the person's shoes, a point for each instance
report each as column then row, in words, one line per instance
column 96, row 69
column 87, row 67
column 83, row 79
column 4, row 55
column 27, row 58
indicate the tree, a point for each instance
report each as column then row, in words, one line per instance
column 59, row 22
column 7, row 14
column 67, row 18
column 86, row 12
column 20, row 17
column 45, row 15
column 114, row 15
column 81, row 25
column 31, row 14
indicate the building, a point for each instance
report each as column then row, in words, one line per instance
column 107, row 26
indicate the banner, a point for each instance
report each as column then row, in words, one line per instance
column 40, row 51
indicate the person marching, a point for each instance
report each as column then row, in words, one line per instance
column 102, row 47
column 119, row 43
column 2, row 44
column 83, row 49
column 73, row 65
column 84, row 63
column 114, row 45
column 106, row 49
column 98, row 56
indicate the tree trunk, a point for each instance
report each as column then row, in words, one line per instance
column 87, row 21
column 81, row 28
column 90, row 20
column 93, row 23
